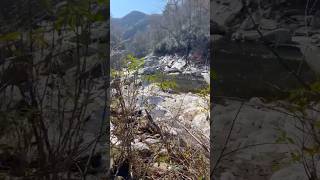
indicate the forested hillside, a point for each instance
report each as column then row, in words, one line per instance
column 182, row 27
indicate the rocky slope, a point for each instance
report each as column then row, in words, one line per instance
column 254, row 151
column 182, row 116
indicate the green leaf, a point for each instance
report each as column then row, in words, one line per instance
column 167, row 84
column 275, row 167
column 295, row 157
column 101, row 2
column 10, row 36
column 133, row 63
column 312, row 150
column 317, row 124
column 204, row 91
column 59, row 23
column 98, row 17
column 290, row 140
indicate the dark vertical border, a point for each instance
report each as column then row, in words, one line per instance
column 212, row 87
column 107, row 91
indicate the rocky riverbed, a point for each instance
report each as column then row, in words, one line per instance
column 241, row 43
column 254, row 151
column 247, row 37
column 181, row 113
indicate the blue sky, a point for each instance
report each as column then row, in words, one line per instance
column 120, row 8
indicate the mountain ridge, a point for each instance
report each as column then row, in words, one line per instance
column 135, row 21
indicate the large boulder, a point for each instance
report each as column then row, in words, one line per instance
column 148, row 70
column 215, row 28
column 225, row 11
column 268, row 24
column 311, row 52
column 316, row 20
column 293, row 172
column 151, row 61
column 277, row 36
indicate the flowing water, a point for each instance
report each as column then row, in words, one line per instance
column 249, row 69
column 187, row 83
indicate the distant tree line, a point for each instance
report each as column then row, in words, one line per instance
column 182, row 28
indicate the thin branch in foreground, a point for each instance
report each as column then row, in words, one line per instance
column 227, row 140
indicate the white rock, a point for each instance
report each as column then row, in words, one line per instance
column 155, row 100
column 158, row 112
column 179, row 64
column 256, row 101
column 173, row 131
column 151, row 141
column 140, row 146
column 200, row 122
column 151, row 61
column 206, row 77
column 148, row 70
column 114, row 140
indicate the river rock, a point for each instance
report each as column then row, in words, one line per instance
column 162, row 166
column 293, row 172
column 227, row 176
column 225, row 11
column 268, row 24
column 311, row 53
column 172, row 70
column 248, row 24
column 179, row 64
column 151, row 61
column 256, row 101
column 155, row 100
column 151, row 141
column 173, row 131
column 278, row 36
column 206, row 77
column 140, row 146
column 159, row 112
column 316, row 20
column 148, row 70
column 200, row 121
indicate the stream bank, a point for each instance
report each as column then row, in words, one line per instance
column 177, row 116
